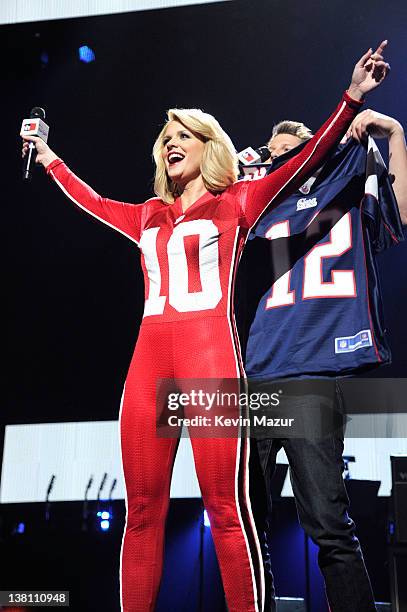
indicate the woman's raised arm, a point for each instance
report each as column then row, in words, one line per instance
column 256, row 196
column 123, row 217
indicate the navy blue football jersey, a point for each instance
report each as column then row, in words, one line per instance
column 322, row 313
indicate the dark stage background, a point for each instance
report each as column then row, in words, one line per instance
column 73, row 287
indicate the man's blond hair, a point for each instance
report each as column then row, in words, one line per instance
column 295, row 128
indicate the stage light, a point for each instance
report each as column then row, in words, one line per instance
column 391, row 528
column 86, row 54
column 207, row 522
column 20, row 528
column 104, row 515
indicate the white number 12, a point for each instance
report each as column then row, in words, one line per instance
column 342, row 283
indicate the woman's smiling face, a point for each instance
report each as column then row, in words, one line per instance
column 182, row 153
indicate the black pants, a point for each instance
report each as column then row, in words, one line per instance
column 316, row 468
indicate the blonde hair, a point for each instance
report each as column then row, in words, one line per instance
column 219, row 165
column 295, row 128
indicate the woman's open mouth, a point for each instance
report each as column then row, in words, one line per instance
column 175, row 158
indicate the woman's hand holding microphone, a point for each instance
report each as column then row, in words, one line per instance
column 45, row 155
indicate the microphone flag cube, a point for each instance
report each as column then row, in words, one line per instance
column 35, row 127
column 248, row 156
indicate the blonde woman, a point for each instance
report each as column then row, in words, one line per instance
column 191, row 236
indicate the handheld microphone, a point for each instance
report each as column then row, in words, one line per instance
column 253, row 156
column 34, row 126
column 252, row 166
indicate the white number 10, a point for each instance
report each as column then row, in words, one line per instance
column 179, row 296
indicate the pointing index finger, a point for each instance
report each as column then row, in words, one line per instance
column 381, row 47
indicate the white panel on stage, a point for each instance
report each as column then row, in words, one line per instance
column 16, row 11
column 74, row 452
column 388, row 437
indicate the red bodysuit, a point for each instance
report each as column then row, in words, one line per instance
column 188, row 331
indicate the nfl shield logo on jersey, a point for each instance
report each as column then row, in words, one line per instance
column 347, row 344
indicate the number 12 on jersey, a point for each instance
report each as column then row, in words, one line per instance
column 342, row 283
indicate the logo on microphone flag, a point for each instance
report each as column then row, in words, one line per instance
column 28, row 127
column 248, row 156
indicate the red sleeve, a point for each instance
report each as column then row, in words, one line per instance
column 255, row 196
column 125, row 218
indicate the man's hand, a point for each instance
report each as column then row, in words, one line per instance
column 375, row 124
column 369, row 72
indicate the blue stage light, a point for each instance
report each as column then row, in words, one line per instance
column 207, row 522
column 86, row 54
column 104, row 515
column 391, row 528
column 20, row 528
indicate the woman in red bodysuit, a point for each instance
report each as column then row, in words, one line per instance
column 191, row 237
